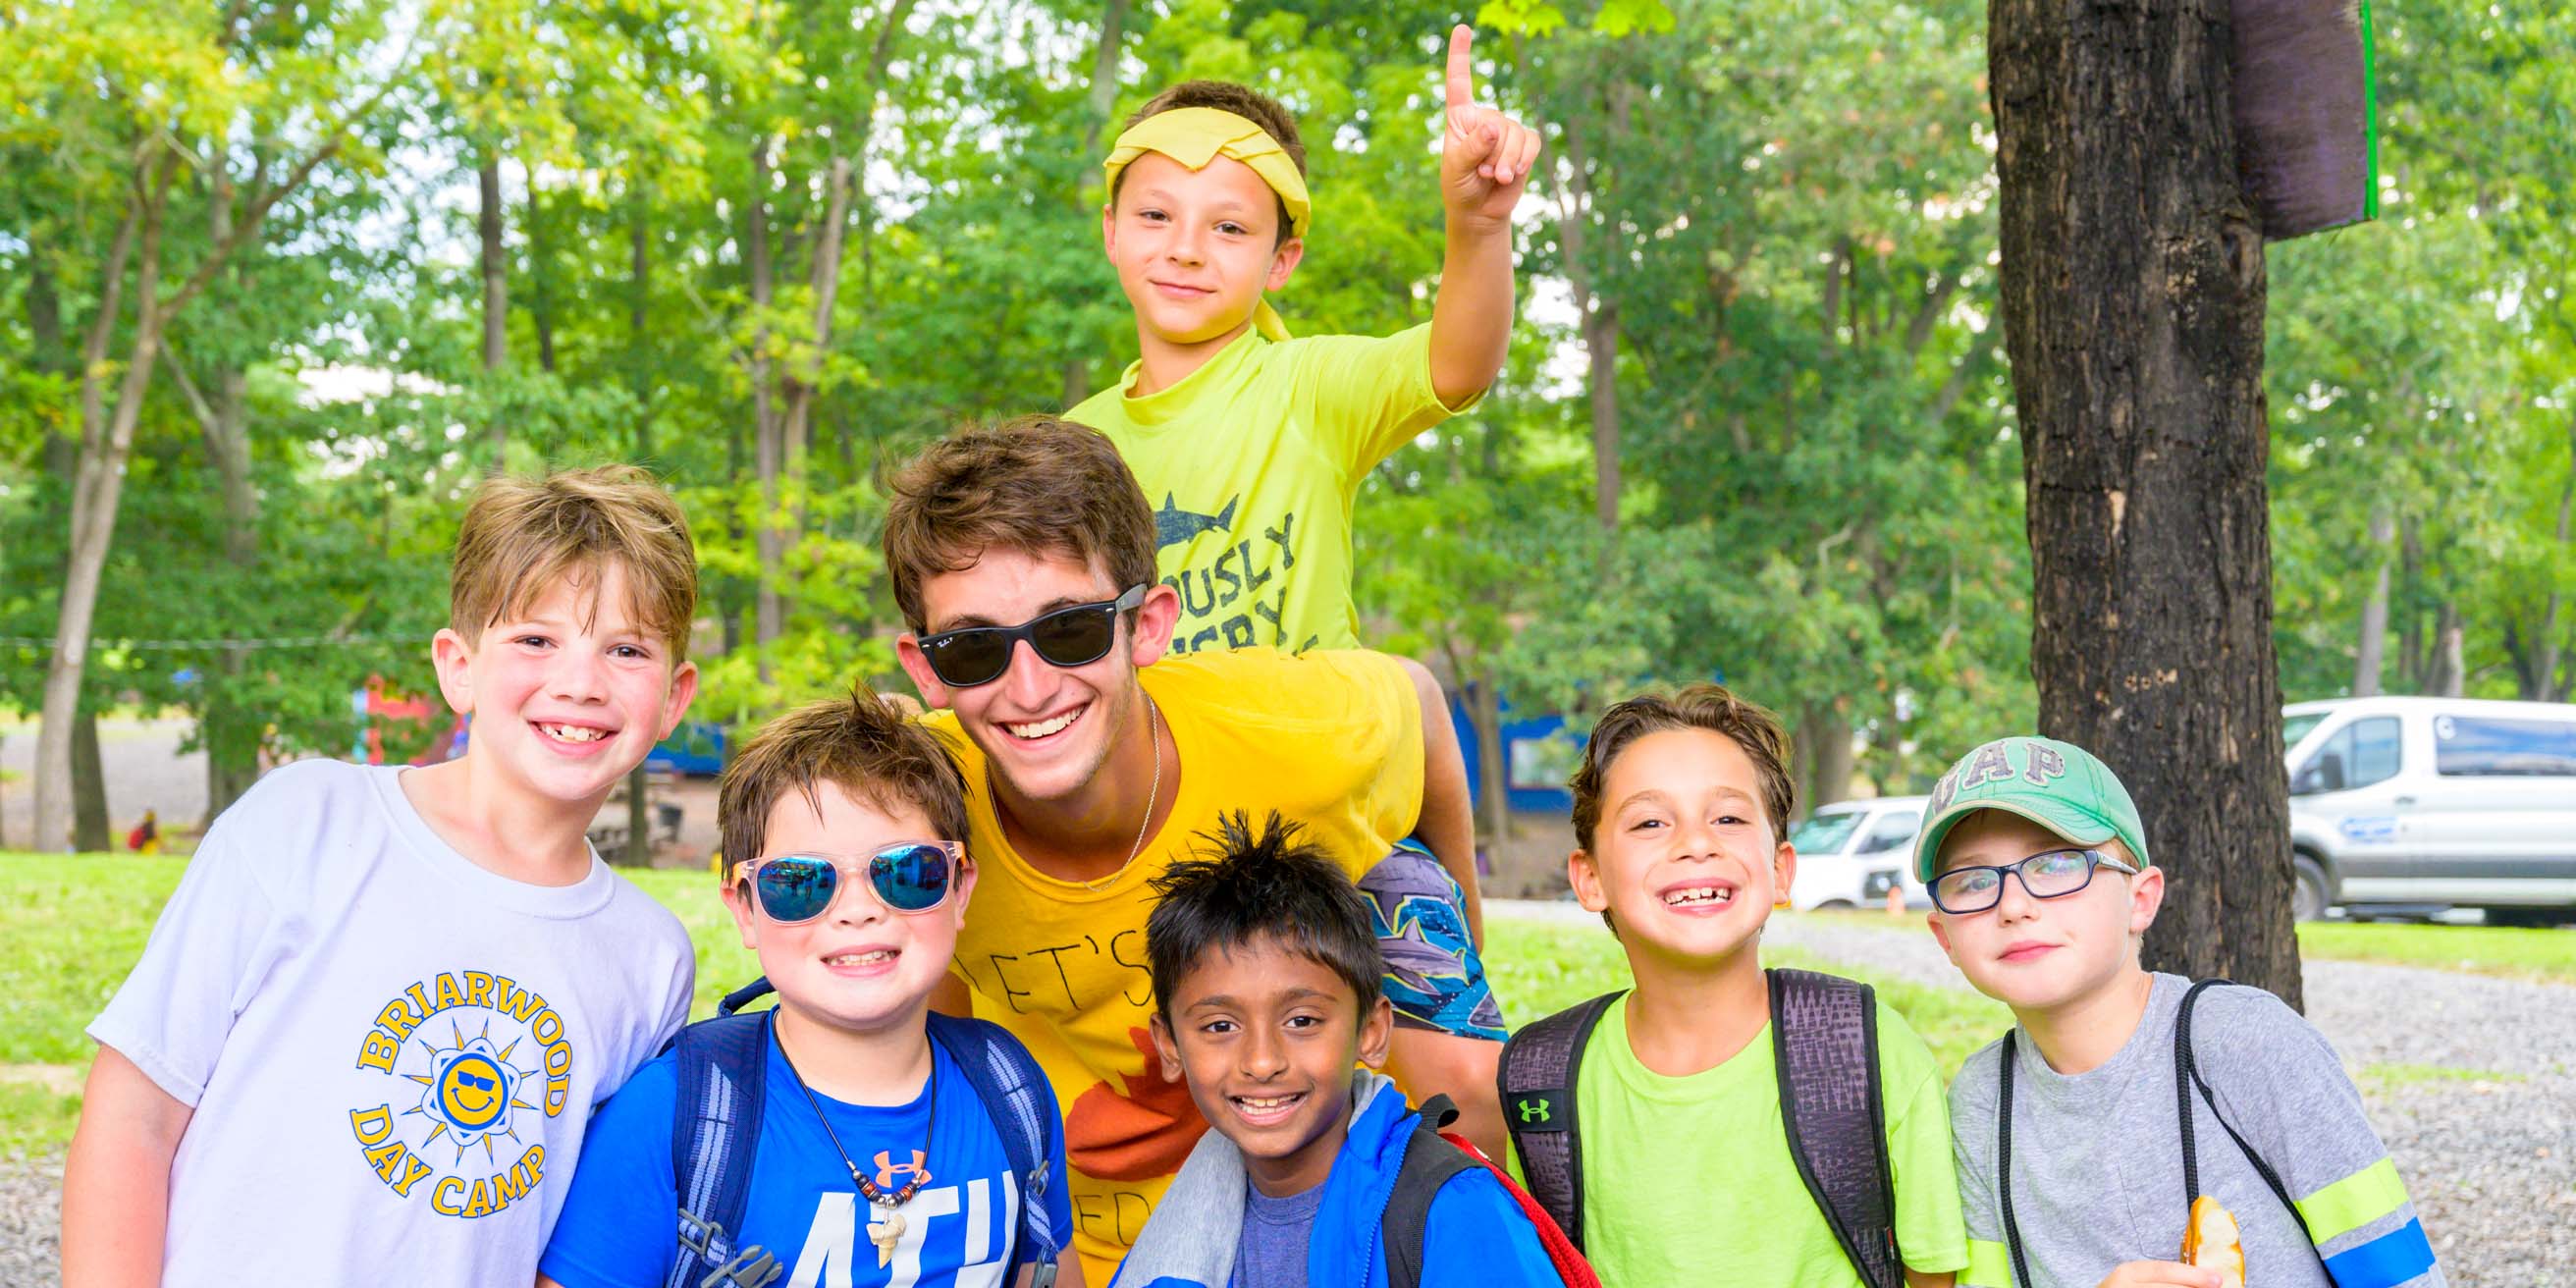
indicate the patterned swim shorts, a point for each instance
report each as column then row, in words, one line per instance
column 1433, row 975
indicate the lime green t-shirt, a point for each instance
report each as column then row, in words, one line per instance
column 1688, row 1180
column 1252, row 463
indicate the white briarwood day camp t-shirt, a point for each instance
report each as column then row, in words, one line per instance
column 391, row 1052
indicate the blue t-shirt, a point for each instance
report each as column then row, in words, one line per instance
column 619, row 1223
column 1272, row 1250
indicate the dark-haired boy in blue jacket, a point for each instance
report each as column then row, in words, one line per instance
column 1266, row 976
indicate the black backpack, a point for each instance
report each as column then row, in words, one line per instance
column 715, row 1129
column 1824, row 1039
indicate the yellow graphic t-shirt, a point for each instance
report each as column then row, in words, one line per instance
column 1252, row 464
column 1663, row 1154
column 1332, row 740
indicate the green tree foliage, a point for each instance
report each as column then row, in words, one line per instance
column 1755, row 424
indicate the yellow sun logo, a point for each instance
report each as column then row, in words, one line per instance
column 469, row 1091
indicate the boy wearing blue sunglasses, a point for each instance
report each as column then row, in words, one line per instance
column 875, row 1153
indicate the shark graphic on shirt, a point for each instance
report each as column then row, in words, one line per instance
column 1174, row 525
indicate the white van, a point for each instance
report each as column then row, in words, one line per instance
column 1851, row 852
column 2434, row 801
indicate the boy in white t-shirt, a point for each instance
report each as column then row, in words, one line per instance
column 367, row 1032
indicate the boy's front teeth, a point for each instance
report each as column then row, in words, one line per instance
column 1679, row 898
column 1264, row 1102
column 572, row 733
column 859, row 959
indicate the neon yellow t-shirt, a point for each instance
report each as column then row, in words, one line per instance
column 1689, row 1180
column 1252, row 464
column 1332, row 740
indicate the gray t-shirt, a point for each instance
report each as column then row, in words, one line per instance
column 2097, row 1156
column 1272, row 1251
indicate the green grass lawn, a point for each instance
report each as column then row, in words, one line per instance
column 2548, row 956
column 71, row 927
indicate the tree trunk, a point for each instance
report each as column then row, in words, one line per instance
column 2369, row 656
column 1104, row 95
column 639, row 804
column 107, row 437
column 1492, row 769
column 90, row 831
column 2132, row 297
column 2450, row 656
column 1600, row 316
column 541, row 304
column 768, row 442
column 496, row 283
column 1829, row 736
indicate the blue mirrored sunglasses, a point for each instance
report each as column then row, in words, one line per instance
column 907, row 876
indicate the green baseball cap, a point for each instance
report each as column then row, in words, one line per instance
column 2058, row 785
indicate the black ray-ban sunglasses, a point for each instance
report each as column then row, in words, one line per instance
column 2053, row 875
column 1078, row 635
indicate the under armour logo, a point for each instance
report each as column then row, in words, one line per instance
column 888, row 1169
column 1535, row 1111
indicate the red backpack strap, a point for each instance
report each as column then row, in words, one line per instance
column 1570, row 1265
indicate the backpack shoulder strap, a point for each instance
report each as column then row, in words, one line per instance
column 1536, row 1080
column 1021, row 1103
column 715, row 1127
column 1429, row 1162
column 1824, row 1042
column 2186, row 1079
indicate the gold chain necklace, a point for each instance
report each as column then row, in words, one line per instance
column 1153, row 795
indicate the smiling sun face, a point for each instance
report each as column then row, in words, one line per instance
column 469, row 1092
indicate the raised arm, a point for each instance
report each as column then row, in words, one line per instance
column 1485, row 160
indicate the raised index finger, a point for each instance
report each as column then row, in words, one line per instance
column 1462, row 83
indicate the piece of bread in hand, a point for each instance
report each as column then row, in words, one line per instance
column 2210, row 1242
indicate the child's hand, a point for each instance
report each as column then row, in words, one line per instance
column 2161, row 1274
column 1485, row 156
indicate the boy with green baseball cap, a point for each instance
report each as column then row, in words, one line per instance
column 2042, row 887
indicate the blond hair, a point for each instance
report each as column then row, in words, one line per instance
column 521, row 537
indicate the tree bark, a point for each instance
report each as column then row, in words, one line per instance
column 496, row 283
column 2370, row 655
column 768, row 442
column 1600, row 315
column 639, row 288
column 107, row 437
column 2133, row 297
column 1492, row 768
column 1829, row 734
column 2450, row 653
column 541, row 304
column 1104, row 95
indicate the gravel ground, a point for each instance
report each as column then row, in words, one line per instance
column 30, row 1218
column 2489, row 1149
column 2487, row 1145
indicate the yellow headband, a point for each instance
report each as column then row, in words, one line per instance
column 1195, row 136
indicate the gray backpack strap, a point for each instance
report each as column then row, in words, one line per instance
column 1536, row 1080
column 1824, row 1042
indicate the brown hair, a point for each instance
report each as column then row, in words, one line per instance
column 858, row 744
column 522, row 536
column 1226, row 96
column 1039, row 485
column 1697, row 706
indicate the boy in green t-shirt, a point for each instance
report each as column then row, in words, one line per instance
column 1250, row 445
column 1656, row 1125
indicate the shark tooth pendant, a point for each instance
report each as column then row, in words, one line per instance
column 885, row 1232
